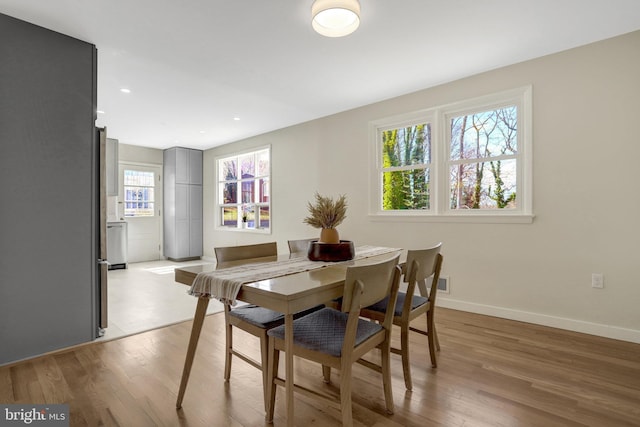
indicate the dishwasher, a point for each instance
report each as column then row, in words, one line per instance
column 117, row 245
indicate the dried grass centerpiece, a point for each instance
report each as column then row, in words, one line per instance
column 326, row 214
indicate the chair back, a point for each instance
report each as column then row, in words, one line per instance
column 426, row 259
column 363, row 286
column 301, row 245
column 422, row 264
column 234, row 253
column 377, row 280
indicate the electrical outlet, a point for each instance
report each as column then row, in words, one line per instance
column 597, row 280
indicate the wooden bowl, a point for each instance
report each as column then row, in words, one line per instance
column 342, row 251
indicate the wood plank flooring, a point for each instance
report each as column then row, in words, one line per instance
column 492, row 372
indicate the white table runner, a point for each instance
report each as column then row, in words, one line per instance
column 226, row 283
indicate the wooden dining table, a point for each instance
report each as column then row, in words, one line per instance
column 286, row 294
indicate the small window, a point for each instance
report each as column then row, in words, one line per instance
column 244, row 200
column 139, row 193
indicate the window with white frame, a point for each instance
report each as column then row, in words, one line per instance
column 244, row 201
column 139, row 193
column 468, row 159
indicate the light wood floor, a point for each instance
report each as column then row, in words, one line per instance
column 492, row 372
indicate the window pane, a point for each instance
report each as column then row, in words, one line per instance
column 138, row 178
column 405, row 190
column 139, row 193
column 228, row 169
column 263, row 196
column 264, row 217
column 228, row 192
column 406, row 146
column 485, row 134
column 484, row 185
column 263, row 162
column 247, row 191
column 249, row 216
column 247, row 166
column 229, row 216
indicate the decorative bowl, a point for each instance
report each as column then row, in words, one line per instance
column 342, row 251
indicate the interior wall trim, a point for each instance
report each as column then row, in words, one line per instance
column 598, row 329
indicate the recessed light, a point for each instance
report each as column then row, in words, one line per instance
column 201, row 131
column 236, row 118
column 99, row 111
column 125, row 90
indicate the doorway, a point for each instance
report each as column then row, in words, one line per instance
column 140, row 203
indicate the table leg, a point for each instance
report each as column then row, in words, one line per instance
column 198, row 320
column 288, row 351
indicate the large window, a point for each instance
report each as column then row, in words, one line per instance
column 139, row 193
column 471, row 159
column 244, row 200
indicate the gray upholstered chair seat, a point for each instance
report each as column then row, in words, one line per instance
column 265, row 318
column 324, row 331
column 381, row 306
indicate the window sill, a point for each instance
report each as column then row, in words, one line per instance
column 245, row 230
column 469, row 219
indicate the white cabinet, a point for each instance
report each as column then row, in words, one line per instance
column 182, row 203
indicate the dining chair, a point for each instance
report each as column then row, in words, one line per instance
column 421, row 265
column 249, row 318
column 300, row 245
column 337, row 339
column 252, row 319
column 235, row 253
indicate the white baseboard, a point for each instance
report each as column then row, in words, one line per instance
column 598, row 329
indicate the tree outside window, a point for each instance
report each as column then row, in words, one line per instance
column 483, row 159
column 468, row 159
column 406, row 157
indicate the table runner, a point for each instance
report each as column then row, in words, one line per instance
column 226, row 283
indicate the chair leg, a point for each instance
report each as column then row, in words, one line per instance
column 386, row 377
column 264, row 358
column 272, row 373
column 435, row 336
column 228, row 344
column 326, row 374
column 345, row 395
column 431, row 338
column 406, row 365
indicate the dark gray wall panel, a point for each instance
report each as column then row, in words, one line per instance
column 47, row 199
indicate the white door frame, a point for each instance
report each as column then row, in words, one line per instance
column 139, row 229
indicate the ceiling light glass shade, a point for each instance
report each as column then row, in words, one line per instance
column 335, row 18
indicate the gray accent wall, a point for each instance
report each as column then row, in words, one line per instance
column 48, row 184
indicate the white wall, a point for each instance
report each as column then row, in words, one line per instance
column 136, row 154
column 586, row 152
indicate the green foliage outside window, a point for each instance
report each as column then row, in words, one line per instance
column 406, row 154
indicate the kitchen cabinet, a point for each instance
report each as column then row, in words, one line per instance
column 182, row 203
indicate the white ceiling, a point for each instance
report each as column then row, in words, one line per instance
column 194, row 65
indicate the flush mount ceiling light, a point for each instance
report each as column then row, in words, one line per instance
column 335, row 18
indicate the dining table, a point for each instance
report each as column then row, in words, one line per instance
column 287, row 294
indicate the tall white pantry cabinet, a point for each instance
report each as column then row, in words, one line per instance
column 182, row 203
